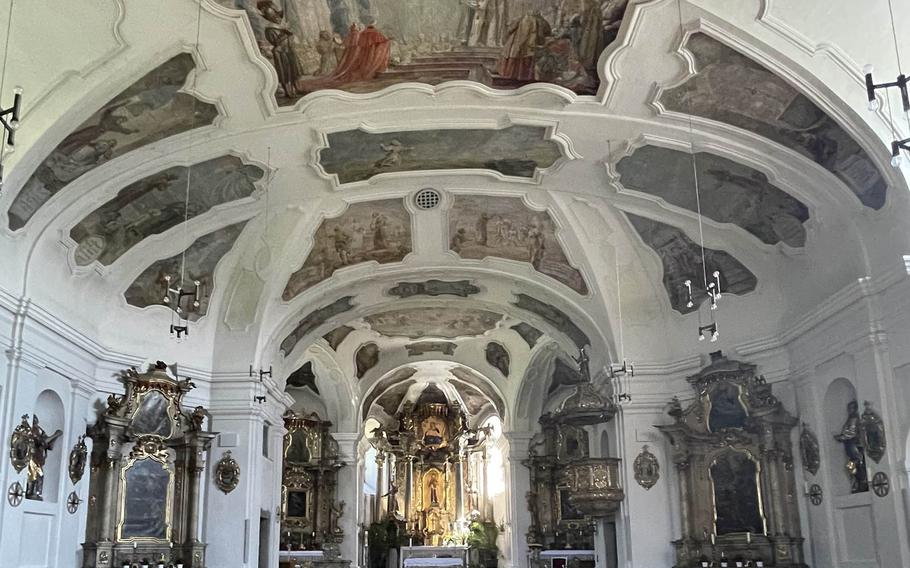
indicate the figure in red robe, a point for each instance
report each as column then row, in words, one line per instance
column 366, row 55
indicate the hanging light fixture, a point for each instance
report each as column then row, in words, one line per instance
column 260, row 389
column 901, row 83
column 9, row 117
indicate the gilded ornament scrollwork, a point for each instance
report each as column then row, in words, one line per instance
column 646, row 468
column 227, row 473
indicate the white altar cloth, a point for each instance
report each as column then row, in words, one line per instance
column 285, row 555
column 416, row 562
column 566, row 553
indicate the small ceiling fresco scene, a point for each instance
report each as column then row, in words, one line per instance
column 304, row 377
column 150, row 109
column 378, row 231
column 497, row 356
column 460, row 288
column 196, row 264
column 564, row 375
column 518, row 151
column 366, row 45
column 313, row 320
column 553, row 316
column 442, row 322
column 160, row 202
column 424, row 347
column 729, row 87
column 337, row 336
column 528, row 332
column 366, row 357
column 484, row 226
column 729, row 192
column 682, row 260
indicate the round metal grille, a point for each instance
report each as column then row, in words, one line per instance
column 427, row 199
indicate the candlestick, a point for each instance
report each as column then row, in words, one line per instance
column 713, row 540
column 749, row 537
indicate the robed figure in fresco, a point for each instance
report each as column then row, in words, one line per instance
column 280, row 37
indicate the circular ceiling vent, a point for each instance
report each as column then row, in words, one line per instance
column 427, row 199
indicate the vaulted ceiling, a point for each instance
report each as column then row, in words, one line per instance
column 183, row 139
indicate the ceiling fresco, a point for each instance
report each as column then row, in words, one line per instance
column 518, row 151
column 366, row 357
column 313, row 320
column 444, row 322
column 553, row 316
column 505, row 227
column 337, row 336
column 378, row 231
column 562, row 375
column 200, row 259
column 682, row 260
column 398, row 377
column 528, row 332
column 461, row 288
column 391, row 399
column 157, row 203
column 366, row 45
column 149, row 110
column 463, row 375
column 304, row 377
column 424, row 347
column 729, row 192
column 729, row 87
column 474, row 400
column 497, row 356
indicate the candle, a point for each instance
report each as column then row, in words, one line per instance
column 135, row 544
column 713, row 541
column 749, row 537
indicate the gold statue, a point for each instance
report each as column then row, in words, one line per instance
column 41, row 444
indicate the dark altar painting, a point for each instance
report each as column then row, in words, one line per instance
column 729, row 87
column 298, row 451
column 149, row 110
column 201, row 259
column 727, row 410
column 681, row 258
column 153, row 415
column 729, row 192
column 566, row 511
column 145, row 510
column 365, row 45
column 377, row 231
column 737, row 505
column 158, row 203
column 482, row 226
column 297, row 503
column 519, row 151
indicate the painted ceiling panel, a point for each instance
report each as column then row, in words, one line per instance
column 482, row 226
column 553, row 316
column 729, row 87
column 449, row 323
column 729, row 192
column 682, row 260
column 377, row 231
column 147, row 111
column 201, row 259
column 157, row 203
column 322, row 44
column 313, row 320
column 519, row 151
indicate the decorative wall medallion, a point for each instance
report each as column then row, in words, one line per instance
column 20, row 448
column 227, row 473
column 72, row 503
column 77, row 460
column 816, row 494
column 15, row 494
column 881, row 485
column 647, row 468
column 873, row 433
column 808, row 448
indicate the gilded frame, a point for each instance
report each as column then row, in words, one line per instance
column 139, row 395
column 708, row 400
column 161, row 459
column 758, row 489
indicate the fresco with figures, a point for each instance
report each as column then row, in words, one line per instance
column 729, row 87
column 313, row 320
column 149, row 110
column 365, row 45
column 158, row 203
column 201, row 258
column 504, row 227
column 681, row 258
column 378, row 231
column 443, row 322
column 517, row 151
column 729, row 192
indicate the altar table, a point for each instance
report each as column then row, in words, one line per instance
column 448, row 555
column 417, row 562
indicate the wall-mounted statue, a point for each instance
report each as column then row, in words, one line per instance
column 78, row 456
column 29, row 446
column 873, row 433
column 851, row 436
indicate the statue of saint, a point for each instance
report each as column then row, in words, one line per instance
column 393, row 499
column 851, row 437
column 41, row 445
column 434, row 489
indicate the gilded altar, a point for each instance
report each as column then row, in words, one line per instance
column 145, row 475
column 733, row 456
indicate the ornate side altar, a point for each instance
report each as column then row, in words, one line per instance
column 309, row 514
column 734, row 460
column 146, row 465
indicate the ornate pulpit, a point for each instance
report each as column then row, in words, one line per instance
column 146, row 465
column 733, row 455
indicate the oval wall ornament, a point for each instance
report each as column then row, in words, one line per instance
column 227, row 473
